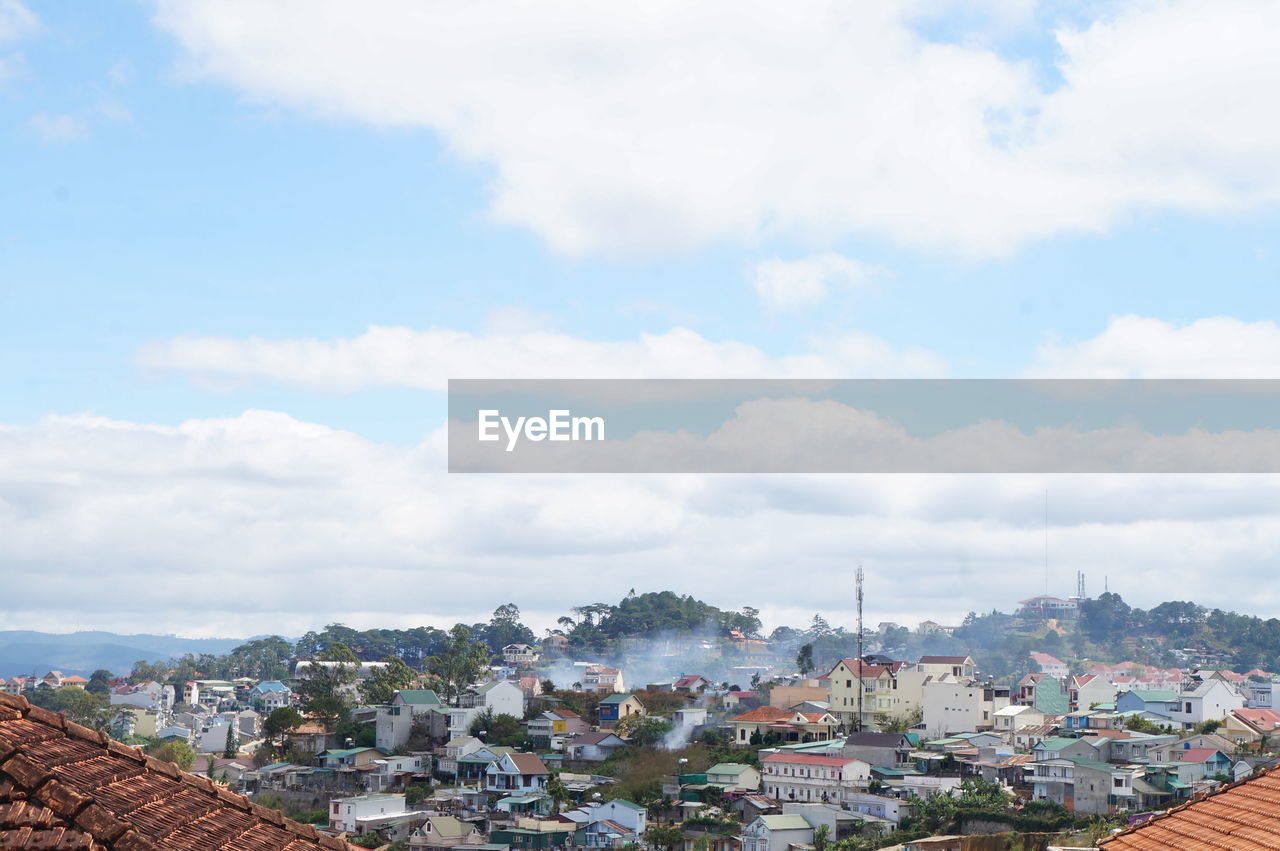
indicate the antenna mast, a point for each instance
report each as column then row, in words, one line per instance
column 857, row 725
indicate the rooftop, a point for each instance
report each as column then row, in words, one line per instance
column 1244, row 816
column 63, row 786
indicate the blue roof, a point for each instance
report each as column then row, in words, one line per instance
column 269, row 685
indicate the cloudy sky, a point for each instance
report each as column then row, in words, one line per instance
column 244, row 244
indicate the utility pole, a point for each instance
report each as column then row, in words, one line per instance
column 857, row 725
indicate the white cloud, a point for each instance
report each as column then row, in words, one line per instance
column 224, row 526
column 1142, row 347
column 405, row 357
column 666, row 125
column 787, row 284
column 16, row 20
column 58, row 127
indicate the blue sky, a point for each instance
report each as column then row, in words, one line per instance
column 171, row 178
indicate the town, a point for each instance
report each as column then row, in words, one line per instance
column 769, row 746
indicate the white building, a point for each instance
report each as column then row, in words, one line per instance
column 776, row 833
column 810, row 778
column 348, row 814
column 955, row 705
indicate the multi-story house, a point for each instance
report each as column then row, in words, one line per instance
column 954, row 705
column 1084, row 785
column 812, row 778
column 599, row 678
column 776, row 833
column 516, row 773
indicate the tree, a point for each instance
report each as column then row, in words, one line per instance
column 281, row 721
column 325, row 688
column 77, row 704
column 499, row 728
column 821, row 836
column 233, row 742
column 99, row 682
column 179, row 753
column 558, row 792
column 383, row 682
column 644, row 730
column 459, row 663
column 415, row 793
column 660, row 836
column 804, row 659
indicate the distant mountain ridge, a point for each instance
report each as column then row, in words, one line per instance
column 25, row 651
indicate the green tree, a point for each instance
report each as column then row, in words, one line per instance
column 281, row 721
column 459, row 663
column 558, row 792
column 383, row 683
column 660, row 836
column 177, row 752
column 643, row 730
column 99, row 683
column 804, row 659
column 499, row 728
column 416, row 793
column 325, row 688
column 77, row 704
column 233, row 742
column 821, row 836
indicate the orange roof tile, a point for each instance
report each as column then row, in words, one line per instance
column 65, row 787
column 765, row 714
column 1244, row 816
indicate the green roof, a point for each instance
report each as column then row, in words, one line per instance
column 733, row 768
column 1057, row 743
column 617, row 698
column 1156, row 695
column 348, row 752
column 787, row 822
column 418, row 696
column 1096, row 765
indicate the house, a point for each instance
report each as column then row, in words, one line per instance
column 1168, row 750
column 1049, row 607
column 783, row 724
column 1084, row 785
column 1045, row 692
column 516, row 772
column 602, row 679
column 887, row 749
column 440, row 833
column 555, row 725
column 394, row 723
column 1060, row 747
column 349, row 758
column 631, row 816
column 520, row 655
column 1247, row 726
column 362, row 814
column 1212, row 822
column 1051, row 665
column 593, row 747
column 952, row 704
column 857, row 685
column 273, row 694
column 734, row 777
column 1208, row 699
column 1161, row 703
column 812, row 778
column 1089, row 691
column 1211, row 762
column 956, row 666
column 776, row 833
column 1011, row 719
column 615, row 707
column 690, row 684
column 93, row 803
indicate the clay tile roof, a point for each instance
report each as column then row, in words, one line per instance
column 765, row 714
column 66, row 787
column 1244, row 816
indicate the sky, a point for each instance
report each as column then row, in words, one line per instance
column 245, row 243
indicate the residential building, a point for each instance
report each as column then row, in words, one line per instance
column 1050, row 607
column 786, row 725
column 809, row 777
column 1013, row 718
column 516, row 772
column 1088, row 691
column 602, row 679
column 556, row 725
column 884, row 749
column 441, row 833
column 520, row 655
column 593, row 747
column 961, row 667
column 1084, row 785
column 952, row 704
column 734, row 777
column 690, row 684
column 615, row 707
column 776, row 833
column 1051, row 665
column 272, row 693
column 361, row 813
column 1209, row 699
column 1247, row 726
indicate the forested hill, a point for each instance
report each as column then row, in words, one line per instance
column 641, row 629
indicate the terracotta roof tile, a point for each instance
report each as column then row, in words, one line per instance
column 64, row 787
column 1244, row 816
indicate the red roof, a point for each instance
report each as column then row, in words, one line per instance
column 765, row 715
column 63, row 786
column 857, row 666
column 1243, row 816
column 1196, row 754
column 1262, row 720
column 809, row 759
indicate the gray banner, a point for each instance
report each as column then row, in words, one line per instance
column 864, row 426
